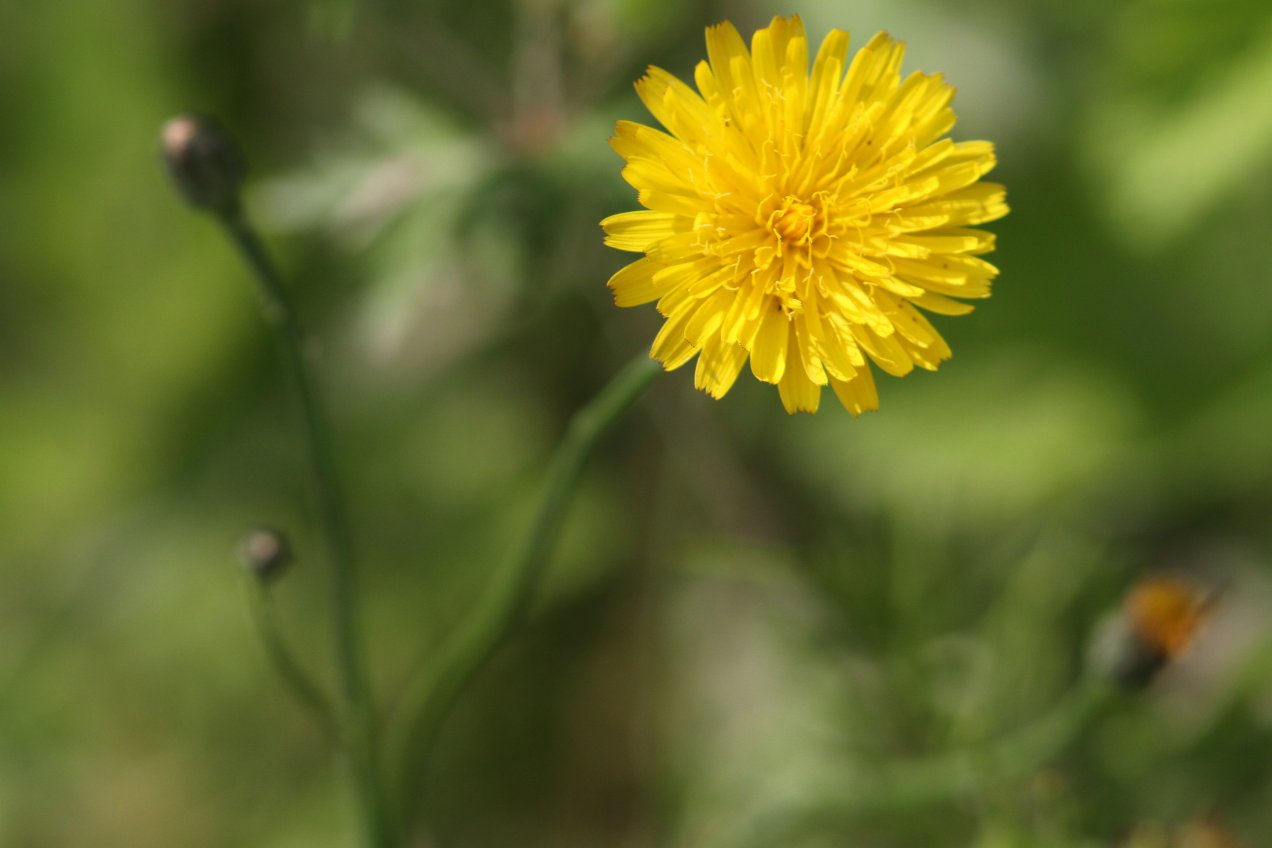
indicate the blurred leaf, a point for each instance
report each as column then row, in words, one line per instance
column 972, row 447
column 1163, row 166
column 397, row 191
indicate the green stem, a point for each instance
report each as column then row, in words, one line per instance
column 505, row 601
column 295, row 679
column 356, row 715
column 943, row 778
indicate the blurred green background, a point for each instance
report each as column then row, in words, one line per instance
column 747, row 610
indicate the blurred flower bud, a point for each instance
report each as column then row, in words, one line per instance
column 1160, row 618
column 265, row 552
column 204, row 161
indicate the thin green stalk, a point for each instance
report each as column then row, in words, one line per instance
column 506, row 599
column 356, row 716
column 944, row 777
column 307, row 693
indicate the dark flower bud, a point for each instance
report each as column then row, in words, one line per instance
column 265, row 552
column 204, row 161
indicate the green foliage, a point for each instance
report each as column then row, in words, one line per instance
column 751, row 618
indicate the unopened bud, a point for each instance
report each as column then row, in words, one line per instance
column 265, row 552
column 1159, row 621
column 204, row 161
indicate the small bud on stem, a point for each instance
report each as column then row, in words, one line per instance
column 205, row 162
column 265, row 553
column 208, row 169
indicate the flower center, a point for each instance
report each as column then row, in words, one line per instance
column 795, row 221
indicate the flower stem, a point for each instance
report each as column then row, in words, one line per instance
column 356, row 714
column 297, row 681
column 506, row 599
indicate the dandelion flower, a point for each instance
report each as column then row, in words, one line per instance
column 798, row 219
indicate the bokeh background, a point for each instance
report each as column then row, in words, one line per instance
column 747, row 610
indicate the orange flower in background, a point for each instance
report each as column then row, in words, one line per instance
column 797, row 219
column 1161, row 618
column 1166, row 612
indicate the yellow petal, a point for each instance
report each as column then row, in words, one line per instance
column 644, row 173
column 679, row 108
column 917, row 330
column 927, row 358
column 873, row 72
column 779, row 55
column 667, row 201
column 941, row 305
column 960, row 276
column 950, row 240
column 886, row 351
column 633, row 284
column 692, row 287
column 975, row 204
column 718, row 366
column 746, row 308
column 731, row 64
column 652, row 278
column 828, row 71
column 636, row 231
column 706, row 322
column 768, row 351
column 859, row 394
column 833, row 348
column 798, row 393
column 671, row 348
column 966, row 163
column 808, row 355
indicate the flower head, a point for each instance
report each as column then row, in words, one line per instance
column 1166, row 612
column 1161, row 619
column 798, row 219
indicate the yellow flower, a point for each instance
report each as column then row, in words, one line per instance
column 798, row 219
